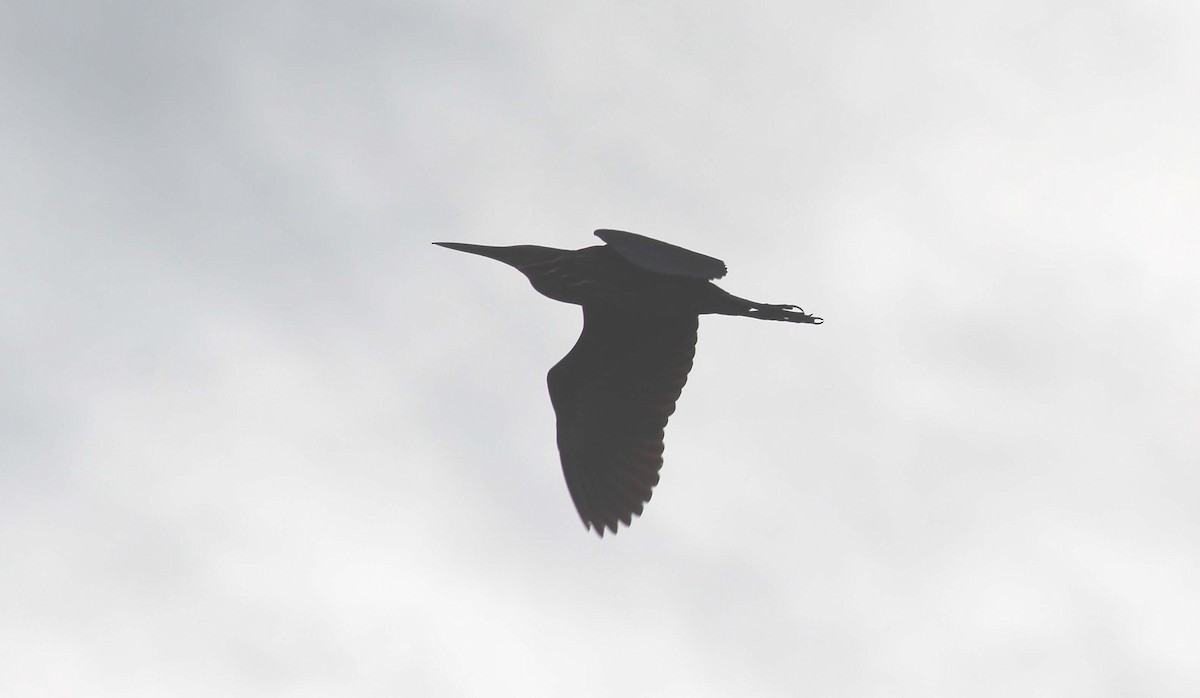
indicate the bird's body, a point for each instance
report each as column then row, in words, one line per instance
column 598, row 276
column 614, row 391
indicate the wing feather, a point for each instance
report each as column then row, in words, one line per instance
column 662, row 257
column 613, row 394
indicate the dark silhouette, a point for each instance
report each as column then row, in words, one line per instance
column 616, row 388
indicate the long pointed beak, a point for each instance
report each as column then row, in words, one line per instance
column 489, row 251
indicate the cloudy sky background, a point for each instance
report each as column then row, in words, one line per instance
column 259, row 437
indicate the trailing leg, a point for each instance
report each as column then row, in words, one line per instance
column 732, row 305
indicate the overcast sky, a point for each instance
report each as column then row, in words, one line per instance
column 258, row 437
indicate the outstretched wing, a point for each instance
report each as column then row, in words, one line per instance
column 613, row 394
column 661, row 257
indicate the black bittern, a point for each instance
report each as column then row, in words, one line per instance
column 613, row 392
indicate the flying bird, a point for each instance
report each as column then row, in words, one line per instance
column 614, row 391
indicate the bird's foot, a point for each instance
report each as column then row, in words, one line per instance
column 786, row 313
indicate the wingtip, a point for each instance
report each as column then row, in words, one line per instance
column 602, row 527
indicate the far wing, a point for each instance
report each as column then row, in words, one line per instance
column 664, row 258
column 613, row 394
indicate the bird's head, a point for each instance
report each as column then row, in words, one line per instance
column 520, row 257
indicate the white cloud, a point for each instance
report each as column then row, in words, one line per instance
column 259, row 437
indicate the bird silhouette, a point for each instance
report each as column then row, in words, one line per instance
column 614, row 391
